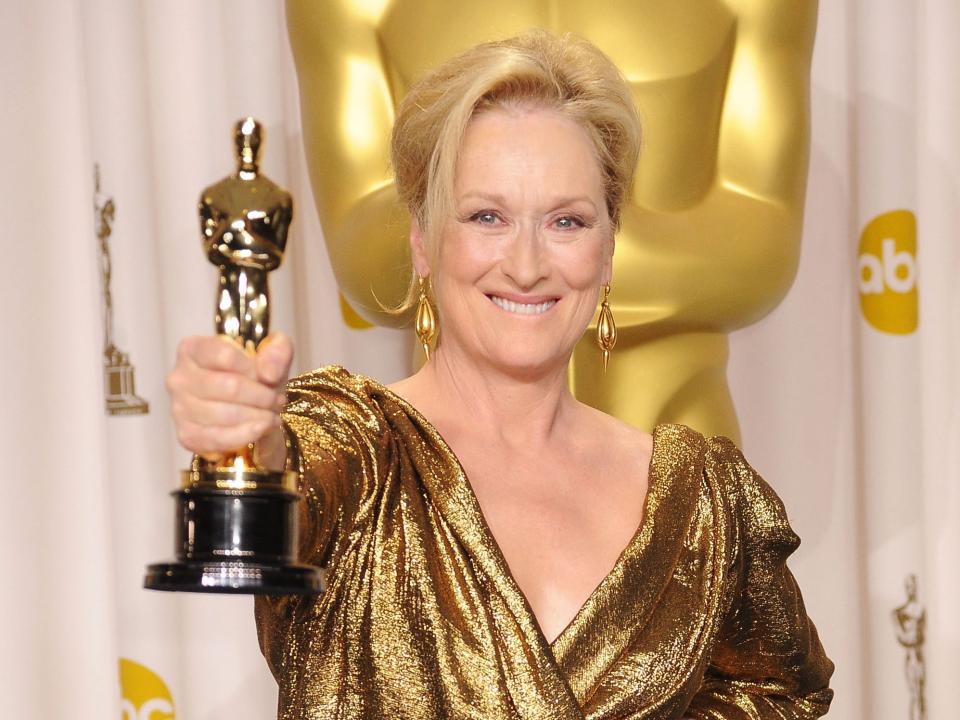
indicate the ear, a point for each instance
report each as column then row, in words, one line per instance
column 418, row 251
column 606, row 274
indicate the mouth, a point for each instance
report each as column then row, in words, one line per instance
column 523, row 308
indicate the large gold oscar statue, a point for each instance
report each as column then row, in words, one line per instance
column 710, row 237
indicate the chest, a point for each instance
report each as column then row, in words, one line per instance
column 560, row 526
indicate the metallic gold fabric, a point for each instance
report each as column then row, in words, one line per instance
column 699, row 617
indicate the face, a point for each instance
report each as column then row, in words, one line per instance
column 522, row 260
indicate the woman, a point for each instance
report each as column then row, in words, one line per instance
column 494, row 548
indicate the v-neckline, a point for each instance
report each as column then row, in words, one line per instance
column 475, row 509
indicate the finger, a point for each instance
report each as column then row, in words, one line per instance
column 273, row 359
column 215, row 353
column 218, row 414
column 208, row 440
column 227, row 387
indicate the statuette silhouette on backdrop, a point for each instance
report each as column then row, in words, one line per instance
column 119, row 387
column 910, row 620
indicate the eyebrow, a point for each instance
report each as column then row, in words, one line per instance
column 500, row 200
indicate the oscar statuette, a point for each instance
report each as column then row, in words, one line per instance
column 236, row 524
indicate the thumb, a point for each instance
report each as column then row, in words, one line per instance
column 274, row 357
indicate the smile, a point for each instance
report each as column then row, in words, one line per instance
column 522, row 308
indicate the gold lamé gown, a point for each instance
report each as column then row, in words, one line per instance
column 421, row 619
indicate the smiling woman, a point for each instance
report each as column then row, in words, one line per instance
column 495, row 548
column 530, row 238
column 573, row 79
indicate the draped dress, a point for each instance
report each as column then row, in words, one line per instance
column 421, row 618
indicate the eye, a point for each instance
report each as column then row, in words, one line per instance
column 569, row 222
column 485, row 217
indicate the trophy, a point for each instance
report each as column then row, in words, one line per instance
column 236, row 524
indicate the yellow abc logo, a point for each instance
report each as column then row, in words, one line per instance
column 888, row 272
column 145, row 694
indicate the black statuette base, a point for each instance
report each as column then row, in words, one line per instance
column 234, row 577
column 232, row 540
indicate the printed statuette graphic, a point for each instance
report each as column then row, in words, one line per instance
column 911, row 621
column 120, row 395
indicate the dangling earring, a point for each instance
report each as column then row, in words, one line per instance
column 606, row 328
column 426, row 324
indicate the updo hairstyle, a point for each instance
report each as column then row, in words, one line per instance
column 534, row 70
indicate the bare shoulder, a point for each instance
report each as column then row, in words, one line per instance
column 615, row 438
column 415, row 392
column 403, row 387
column 420, row 394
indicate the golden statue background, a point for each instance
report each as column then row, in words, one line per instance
column 711, row 235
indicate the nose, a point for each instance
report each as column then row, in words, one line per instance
column 524, row 262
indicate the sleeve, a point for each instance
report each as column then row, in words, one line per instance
column 331, row 432
column 767, row 662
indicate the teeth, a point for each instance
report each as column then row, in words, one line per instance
column 522, row 308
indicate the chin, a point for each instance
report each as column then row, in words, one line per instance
column 530, row 362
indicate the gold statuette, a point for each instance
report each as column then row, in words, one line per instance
column 236, row 524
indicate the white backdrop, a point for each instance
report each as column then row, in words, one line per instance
column 857, row 427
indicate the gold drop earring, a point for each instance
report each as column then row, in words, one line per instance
column 426, row 324
column 606, row 328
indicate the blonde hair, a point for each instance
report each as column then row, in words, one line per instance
column 537, row 69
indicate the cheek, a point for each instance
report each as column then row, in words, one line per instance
column 463, row 261
column 581, row 265
column 461, row 254
column 466, row 257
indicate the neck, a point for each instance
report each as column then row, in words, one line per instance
column 522, row 410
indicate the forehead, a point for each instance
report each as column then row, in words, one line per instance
column 527, row 151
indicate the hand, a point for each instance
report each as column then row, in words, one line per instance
column 222, row 398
